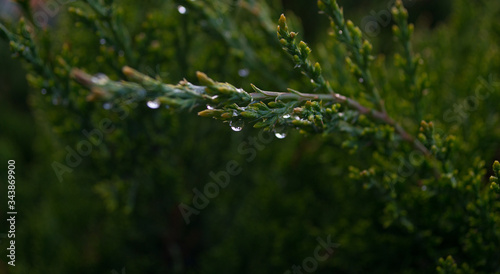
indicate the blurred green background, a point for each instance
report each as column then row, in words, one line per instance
column 118, row 209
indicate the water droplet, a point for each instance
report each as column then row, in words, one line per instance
column 280, row 132
column 280, row 135
column 286, row 116
column 361, row 80
column 341, row 114
column 235, row 113
column 340, row 32
column 243, row 72
column 153, row 104
column 312, row 81
column 236, row 125
column 181, row 9
column 214, row 97
column 99, row 79
column 43, row 91
column 210, row 107
column 107, row 106
column 102, row 41
column 424, row 188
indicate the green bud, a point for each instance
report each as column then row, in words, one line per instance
column 317, row 68
column 282, row 24
column 210, row 113
column 496, row 168
column 495, row 187
column 204, row 79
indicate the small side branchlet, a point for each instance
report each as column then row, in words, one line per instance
column 300, row 56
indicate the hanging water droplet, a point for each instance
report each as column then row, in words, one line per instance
column 361, row 80
column 43, row 91
column 280, row 135
column 340, row 32
column 99, row 79
column 236, row 125
column 210, row 107
column 102, row 41
column 153, row 104
column 280, row 132
column 235, row 113
column 243, row 72
column 312, row 81
column 286, row 116
column 107, row 106
column 181, row 9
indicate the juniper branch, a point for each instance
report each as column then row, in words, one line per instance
column 225, row 99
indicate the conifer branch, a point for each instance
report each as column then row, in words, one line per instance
column 223, row 99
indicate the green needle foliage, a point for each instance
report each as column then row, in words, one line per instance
column 410, row 191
